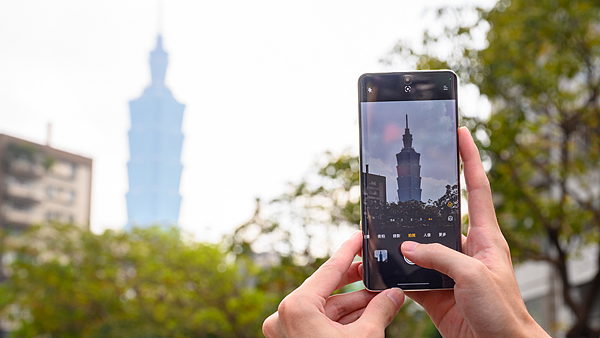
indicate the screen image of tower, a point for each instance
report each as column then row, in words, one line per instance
column 155, row 141
column 409, row 169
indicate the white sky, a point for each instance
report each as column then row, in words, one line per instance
column 268, row 86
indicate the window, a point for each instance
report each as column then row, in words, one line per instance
column 373, row 192
column 51, row 216
column 70, row 196
column 52, row 192
column 73, row 167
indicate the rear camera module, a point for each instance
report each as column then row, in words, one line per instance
column 407, row 79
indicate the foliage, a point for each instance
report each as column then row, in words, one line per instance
column 538, row 63
column 63, row 281
column 19, row 151
column 49, row 161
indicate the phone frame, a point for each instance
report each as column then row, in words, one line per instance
column 364, row 223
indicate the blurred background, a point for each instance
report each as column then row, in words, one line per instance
column 175, row 168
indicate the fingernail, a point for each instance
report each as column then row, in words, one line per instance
column 409, row 246
column 397, row 296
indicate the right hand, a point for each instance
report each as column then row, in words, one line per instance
column 486, row 301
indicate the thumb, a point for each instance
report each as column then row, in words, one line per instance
column 381, row 310
column 439, row 257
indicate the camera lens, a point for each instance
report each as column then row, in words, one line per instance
column 407, row 79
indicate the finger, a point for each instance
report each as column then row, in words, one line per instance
column 443, row 259
column 339, row 306
column 417, row 296
column 423, row 297
column 437, row 303
column 354, row 274
column 327, row 278
column 352, row 317
column 381, row 310
column 479, row 196
column 360, row 228
column 271, row 326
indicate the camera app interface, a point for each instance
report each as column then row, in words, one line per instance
column 410, row 187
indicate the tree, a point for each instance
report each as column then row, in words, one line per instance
column 538, row 63
column 67, row 282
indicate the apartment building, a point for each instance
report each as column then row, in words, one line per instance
column 42, row 184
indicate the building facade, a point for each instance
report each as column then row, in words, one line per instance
column 155, row 141
column 375, row 187
column 409, row 169
column 42, row 184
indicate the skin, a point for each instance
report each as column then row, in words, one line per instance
column 485, row 301
column 311, row 311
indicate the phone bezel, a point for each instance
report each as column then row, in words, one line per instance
column 364, row 226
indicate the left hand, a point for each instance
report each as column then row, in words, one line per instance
column 311, row 310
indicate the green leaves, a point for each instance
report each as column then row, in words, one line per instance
column 68, row 282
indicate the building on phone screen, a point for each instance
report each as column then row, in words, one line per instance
column 409, row 169
column 155, row 142
column 375, row 188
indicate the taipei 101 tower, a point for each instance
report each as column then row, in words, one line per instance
column 155, row 141
column 409, row 169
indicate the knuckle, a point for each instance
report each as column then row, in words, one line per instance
column 337, row 307
column 285, row 307
column 433, row 250
column 504, row 246
column 436, row 247
column 475, row 271
column 268, row 327
column 485, row 185
column 387, row 308
column 272, row 326
column 290, row 307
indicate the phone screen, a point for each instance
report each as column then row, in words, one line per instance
column 409, row 174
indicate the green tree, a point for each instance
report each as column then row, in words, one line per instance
column 538, row 63
column 67, row 282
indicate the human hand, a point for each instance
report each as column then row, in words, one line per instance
column 486, row 301
column 311, row 310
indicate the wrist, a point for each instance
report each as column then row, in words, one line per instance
column 531, row 329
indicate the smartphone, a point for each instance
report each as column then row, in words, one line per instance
column 409, row 178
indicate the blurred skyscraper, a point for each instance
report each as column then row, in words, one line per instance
column 155, row 141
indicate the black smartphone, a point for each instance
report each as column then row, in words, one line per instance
column 410, row 187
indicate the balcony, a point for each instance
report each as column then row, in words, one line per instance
column 16, row 217
column 25, row 168
column 23, row 193
column 63, row 170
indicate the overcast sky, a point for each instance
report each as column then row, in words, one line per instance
column 268, row 85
